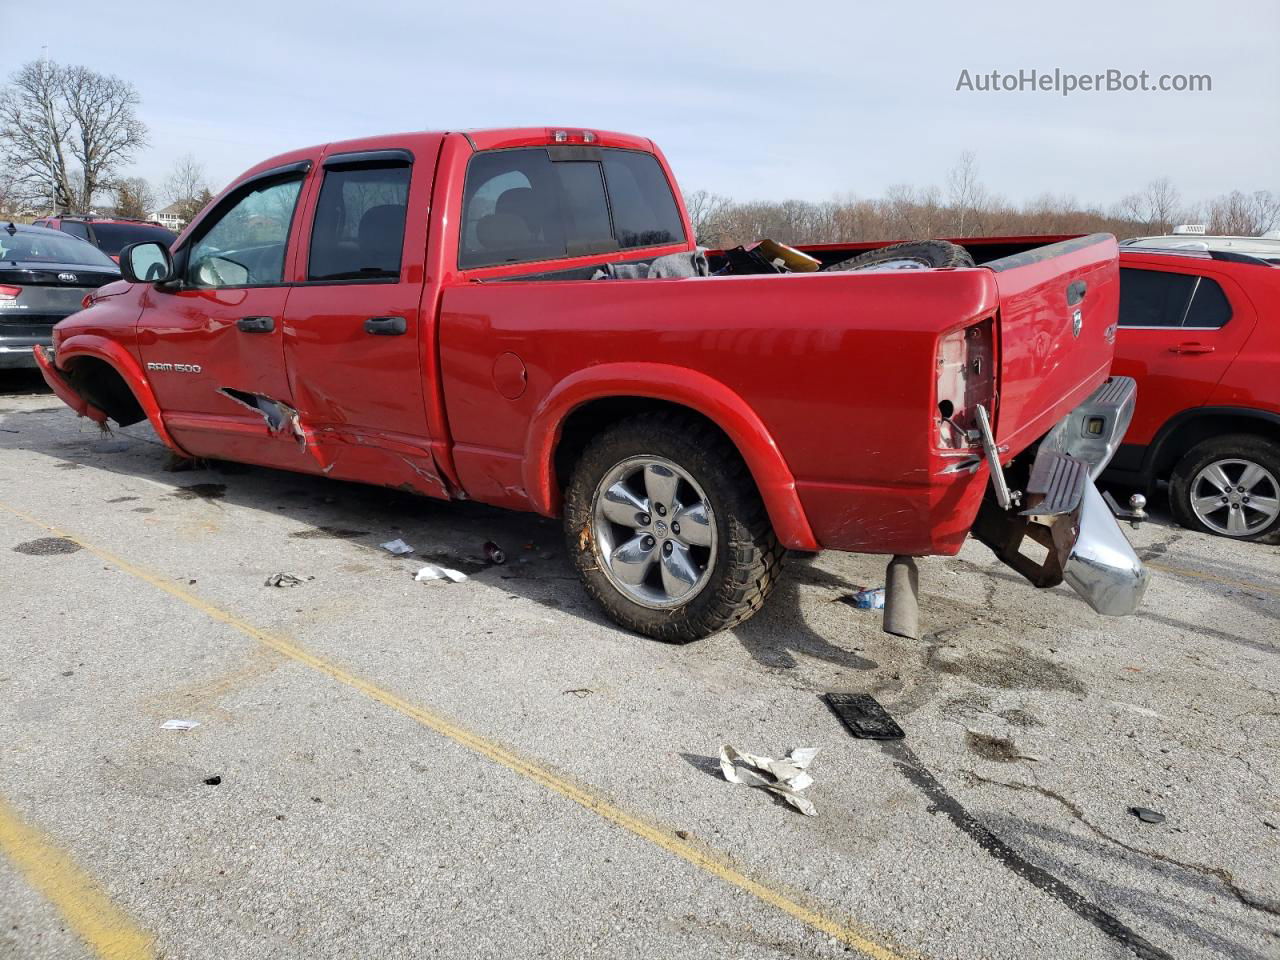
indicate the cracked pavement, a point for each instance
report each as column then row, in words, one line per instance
column 340, row 827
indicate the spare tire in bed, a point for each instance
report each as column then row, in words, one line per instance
column 911, row 255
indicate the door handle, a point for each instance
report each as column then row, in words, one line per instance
column 256, row 324
column 1191, row 348
column 386, row 326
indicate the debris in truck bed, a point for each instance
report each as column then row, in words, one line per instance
column 672, row 265
column 435, row 572
column 398, row 547
column 863, row 716
column 785, row 777
column 791, row 258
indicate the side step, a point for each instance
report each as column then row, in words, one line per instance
column 1056, row 485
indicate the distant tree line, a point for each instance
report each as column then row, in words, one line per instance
column 965, row 208
column 67, row 133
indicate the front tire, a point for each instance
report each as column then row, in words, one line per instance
column 667, row 530
column 1228, row 486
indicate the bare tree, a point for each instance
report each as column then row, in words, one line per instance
column 1157, row 206
column 966, row 195
column 65, row 130
column 706, row 211
column 134, row 198
column 186, row 185
column 1239, row 214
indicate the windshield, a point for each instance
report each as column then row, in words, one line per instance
column 50, row 246
column 114, row 237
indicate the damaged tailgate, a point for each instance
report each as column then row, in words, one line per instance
column 1058, row 308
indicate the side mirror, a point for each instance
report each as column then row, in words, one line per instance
column 146, row 262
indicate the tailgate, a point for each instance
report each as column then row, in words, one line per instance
column 1058, row 311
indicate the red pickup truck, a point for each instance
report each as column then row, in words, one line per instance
column 493, row 315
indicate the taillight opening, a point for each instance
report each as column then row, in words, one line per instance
column 966, row 379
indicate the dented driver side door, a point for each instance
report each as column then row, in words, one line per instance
column 213, row 343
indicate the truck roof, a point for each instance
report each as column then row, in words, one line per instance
column 496, row 138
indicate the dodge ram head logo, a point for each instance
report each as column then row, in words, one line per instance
column 1077, row 321
column 67, row 277
column 174, row 367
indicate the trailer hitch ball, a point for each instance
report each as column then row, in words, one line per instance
column 902, row 598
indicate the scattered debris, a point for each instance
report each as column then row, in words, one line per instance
column 1147, row 815
column 682, row 834
column 398, row 547
column 212, row 781
column 578, row 692
column 179, row 724
column 434, row 572
column 284, row 580
column 494, row 553
column 862, row 714
column 785, row 777
column 870, row 598
column 998, row 749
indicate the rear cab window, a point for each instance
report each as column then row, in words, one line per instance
column 1159, row 299
column 548, row 203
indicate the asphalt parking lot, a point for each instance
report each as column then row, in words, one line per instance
column 385, row 768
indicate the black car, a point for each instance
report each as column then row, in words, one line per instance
column 44, row 275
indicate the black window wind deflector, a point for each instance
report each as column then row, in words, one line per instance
column 302, row 166
column 395, row 156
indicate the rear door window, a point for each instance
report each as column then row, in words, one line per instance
column 75, row 229
column 1152, row 298
column 358, row 232
column 1209, row 307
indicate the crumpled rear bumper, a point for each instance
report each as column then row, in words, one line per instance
column 1102, row 566
column 1062, row 511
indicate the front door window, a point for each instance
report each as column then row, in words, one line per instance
column 245, row 247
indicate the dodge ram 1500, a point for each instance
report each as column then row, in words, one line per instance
column 481, row 315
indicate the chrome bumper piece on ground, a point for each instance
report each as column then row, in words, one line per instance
column 1063, row 512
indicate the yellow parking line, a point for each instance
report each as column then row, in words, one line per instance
column 854, row 935
column 108, row 932
column 1212, row 577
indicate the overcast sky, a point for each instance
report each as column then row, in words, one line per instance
column 804, row 100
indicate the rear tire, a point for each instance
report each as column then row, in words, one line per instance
column 1205, row 490
column 911, row 255
column 622, row 511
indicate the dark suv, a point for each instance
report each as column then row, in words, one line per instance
column 109, row 234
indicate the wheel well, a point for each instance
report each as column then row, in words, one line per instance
column 1195, row 429
column 595, row 416
column 102, row 385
